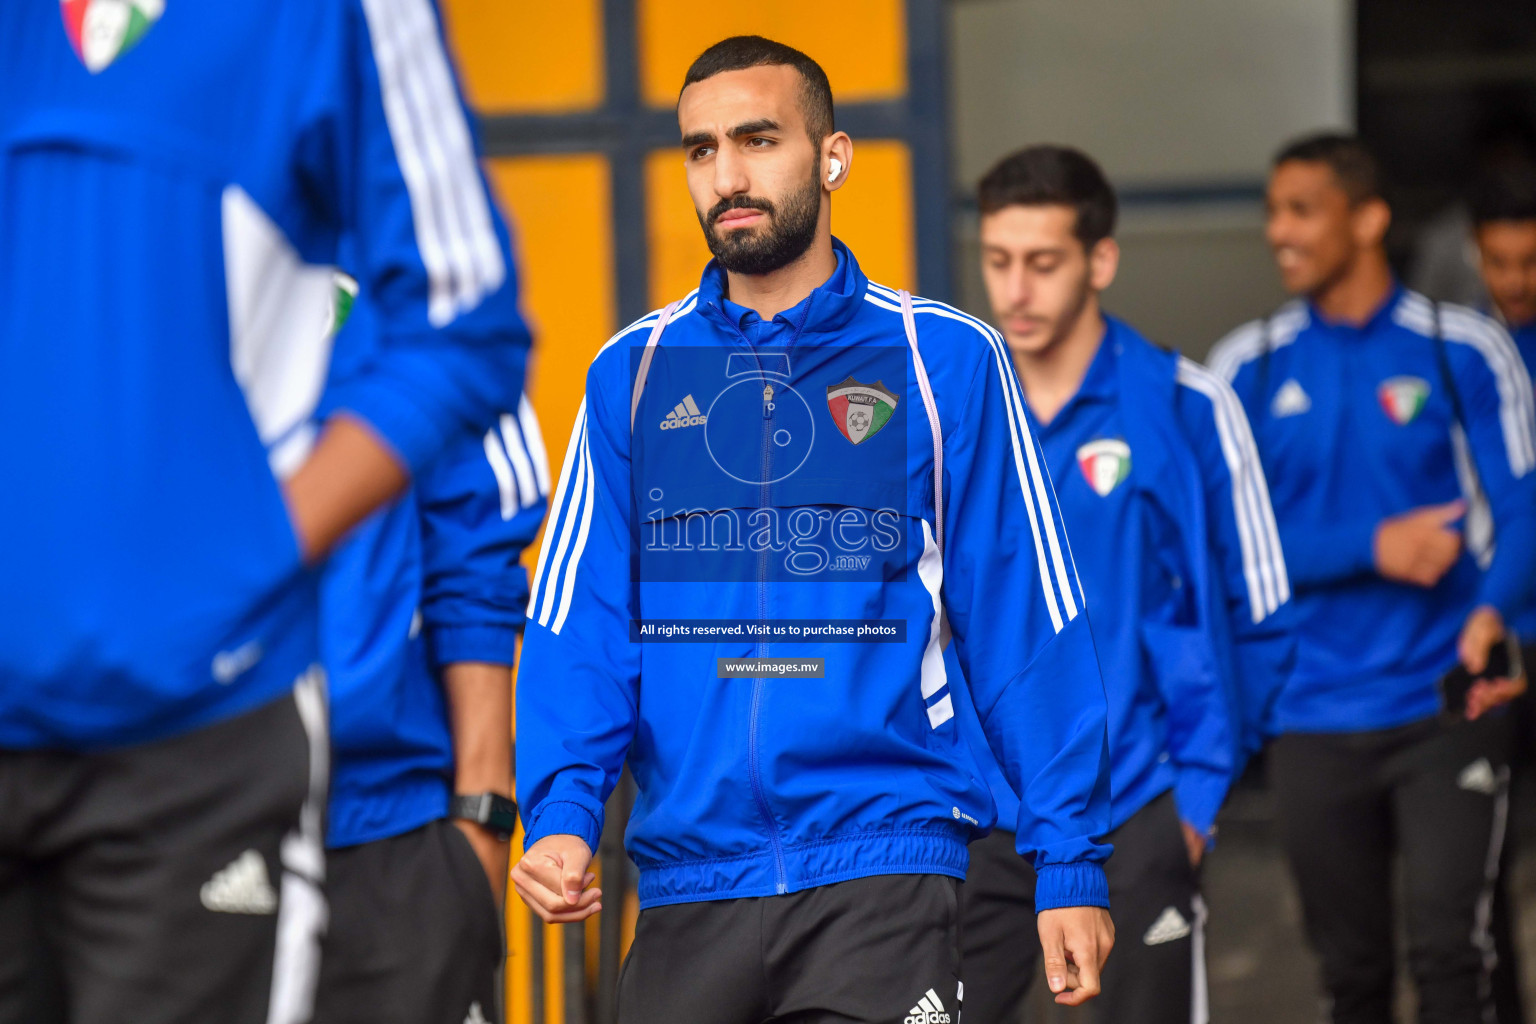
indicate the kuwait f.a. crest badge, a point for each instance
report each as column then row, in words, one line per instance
column 860, row 410
column 1105, row 464
column 1403, row 398
column 103, row 30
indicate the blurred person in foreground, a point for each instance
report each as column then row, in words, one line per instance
column 1398, row 439
column 421, row 608
column 1156, row 470
column 762, row 451
column 174, row 185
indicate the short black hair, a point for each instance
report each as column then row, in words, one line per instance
column 738, row 53
column 1053, row 176
column 1351, row 161
column 1505, row 190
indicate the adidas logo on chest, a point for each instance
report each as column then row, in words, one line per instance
column 1290, row 400
column 685, row 414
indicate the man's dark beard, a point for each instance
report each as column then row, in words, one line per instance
column 792, row 229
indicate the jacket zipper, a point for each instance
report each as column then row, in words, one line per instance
column 781, row 881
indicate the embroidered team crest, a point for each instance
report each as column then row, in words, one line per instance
column 1403, row 398
column 103, row 30
column 1105, row 463
column 860, row 410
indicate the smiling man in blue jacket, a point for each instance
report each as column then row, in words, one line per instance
column 1399, row 442
column 793, row 442
column 175, row 180
column 1157, row 473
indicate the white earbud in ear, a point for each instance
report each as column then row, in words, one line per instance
column 834, row 169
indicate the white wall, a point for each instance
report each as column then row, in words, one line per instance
column 1172, row 95
column 1160, row 91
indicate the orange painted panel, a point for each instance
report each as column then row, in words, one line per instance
column 676, row 244
column 862, row 44
column 562, row 227
column 872, row 212
column 563, row 235
column 524, row 56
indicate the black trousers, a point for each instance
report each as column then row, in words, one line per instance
column 1435, row 797
column 1156, row 972
column 415, row 937
column 878, row 950
column 170, row 883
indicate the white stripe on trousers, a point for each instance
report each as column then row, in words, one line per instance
column 1482, row 935
column 303, row 914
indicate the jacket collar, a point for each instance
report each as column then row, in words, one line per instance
column 1103, row 379
column 828, row 308
column 1101, row 382
column 1380, row 318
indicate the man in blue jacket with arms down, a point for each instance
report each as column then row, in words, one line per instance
column 1398, row 438
column 175, row 180
column 421, row 609
column 791, row 447
column 1156, row 470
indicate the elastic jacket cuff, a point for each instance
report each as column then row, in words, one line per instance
column 563, row 818
column 494, row 645
column 1071, row 885
column 410, row 432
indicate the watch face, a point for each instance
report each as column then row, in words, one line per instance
column 494, row 811
column 503, row 814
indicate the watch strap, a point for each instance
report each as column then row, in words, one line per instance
column 492, row 810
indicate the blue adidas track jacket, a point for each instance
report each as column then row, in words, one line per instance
column 802, row 488
column 172, row 192
column 430, row 580
column 1355, row 424
column 1524, row 336
column 1156, row 470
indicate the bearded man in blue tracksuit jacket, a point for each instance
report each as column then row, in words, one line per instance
column 1157, row 473
column 175, row 180
column 421, row 609
column 794, row 449
column 1397, row 435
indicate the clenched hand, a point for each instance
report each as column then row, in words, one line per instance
column 552, row 878
column 1076, row 942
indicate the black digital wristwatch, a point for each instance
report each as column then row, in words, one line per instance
column 492, row 811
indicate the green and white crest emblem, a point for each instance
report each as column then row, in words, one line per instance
column 103, row 30
column 1403, row 398
column 1105, row 463
column 860, row 410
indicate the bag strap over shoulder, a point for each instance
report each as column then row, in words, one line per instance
column 931, row 407
column 645, row 360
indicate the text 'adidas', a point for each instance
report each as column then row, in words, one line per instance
column 685, row 414
column 929, row 1010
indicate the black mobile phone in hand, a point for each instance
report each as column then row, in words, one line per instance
column 1503, row 663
